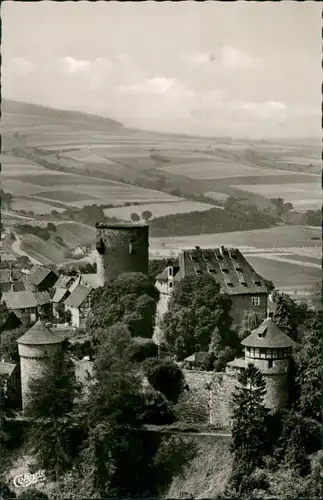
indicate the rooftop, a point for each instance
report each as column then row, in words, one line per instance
column 268, row 335
column 59, row 295
column 78, row 296
column 25, row 300
column 38, row 274
column 227, row 266
column 39, row 334
column 63, row 281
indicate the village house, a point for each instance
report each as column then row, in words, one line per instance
column 79, row 304
column 28, row 305
column 11, row 280
column 228, row 267
column 42, row 278
column 10, row 375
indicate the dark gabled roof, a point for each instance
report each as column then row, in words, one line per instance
column 59, row 295
column 227, row 266
column 25, row 300
column 268, row 335
column 78, row 296
column 7, row 369
column 39, row 334
column 38, row 274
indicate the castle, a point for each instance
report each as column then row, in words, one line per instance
column 125, row 248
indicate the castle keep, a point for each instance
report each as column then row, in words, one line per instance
column 122, row 248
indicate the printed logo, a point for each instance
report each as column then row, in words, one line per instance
column 25, row 480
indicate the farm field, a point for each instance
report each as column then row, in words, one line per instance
column 157, row 209
column 74, row 234
column 214, row 169
column 307, row 196
column 280, row 237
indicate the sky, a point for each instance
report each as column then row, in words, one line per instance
column 244, row 69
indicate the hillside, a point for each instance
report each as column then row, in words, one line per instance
column 55, row 159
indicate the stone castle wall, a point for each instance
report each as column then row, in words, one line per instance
column 209, row 396
column 33, row 362
column 122, row 249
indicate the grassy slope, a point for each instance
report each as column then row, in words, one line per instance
column 207, row 474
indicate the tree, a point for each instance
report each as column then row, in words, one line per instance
column 195, row 309
column 250, row 322
column 52, row 400
column 249, row 420
column 309, row 368
column 146, row 215
column 166, row 377
column 9, row 346
column 130, row 299
column 135, row 217
column 289, row 316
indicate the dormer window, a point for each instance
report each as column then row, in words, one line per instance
column 193, row 258
column 257, row 283
column 239, row 269
column 224, row 270
column 211, row 271
column 243, row 283
column 198, row 271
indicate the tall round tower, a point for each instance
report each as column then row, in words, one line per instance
column 270, row 349
column 35, row 348
column 122, row 248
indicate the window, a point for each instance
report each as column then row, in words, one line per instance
column 270, row 363
column 170, row 285
column 170, row 272
column 255, row 301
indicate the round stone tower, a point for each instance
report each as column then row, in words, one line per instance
column 122, row 248
column 35, row 348
column 270, row 349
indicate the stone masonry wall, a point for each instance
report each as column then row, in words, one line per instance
column 33, row 361
column 208, row 398
column 122, row 250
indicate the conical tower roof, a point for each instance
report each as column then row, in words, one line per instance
column 268, row 335
column 39, row 334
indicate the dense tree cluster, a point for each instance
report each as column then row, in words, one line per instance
column 235, row 216
column 41, row 232
column 131, row 299
column 198, row 315
column 97, row 445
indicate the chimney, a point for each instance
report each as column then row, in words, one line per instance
column 197, row 247
column 222, row 250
